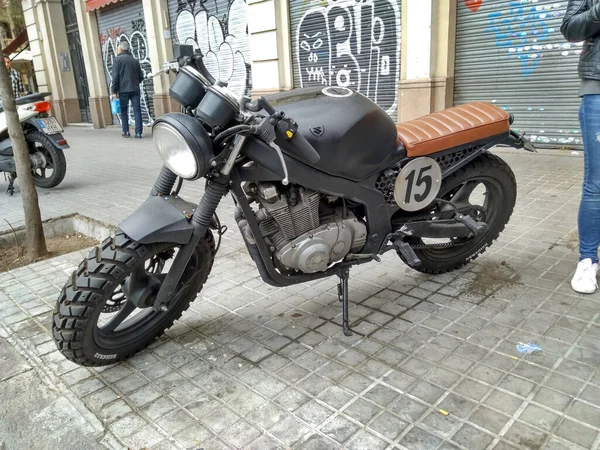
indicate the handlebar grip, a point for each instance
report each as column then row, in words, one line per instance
column 299, row 145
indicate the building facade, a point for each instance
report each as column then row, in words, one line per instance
column 411, row 57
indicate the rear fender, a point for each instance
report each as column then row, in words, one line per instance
column 58, row 140
column 519, row 141
column 160, row 219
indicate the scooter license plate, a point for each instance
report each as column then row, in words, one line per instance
column 50, row 125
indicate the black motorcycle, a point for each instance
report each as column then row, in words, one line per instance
column 44, row 140
column 322, row 179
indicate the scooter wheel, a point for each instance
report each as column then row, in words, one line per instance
column 56, row 164
column 104, row 312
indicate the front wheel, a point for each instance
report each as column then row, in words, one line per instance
column 52, row 166
column 487, row 189
column 104, row 312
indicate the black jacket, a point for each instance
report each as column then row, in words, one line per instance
column 126, row 73
column 582, row 23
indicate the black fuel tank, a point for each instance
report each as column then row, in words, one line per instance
column 353, row 135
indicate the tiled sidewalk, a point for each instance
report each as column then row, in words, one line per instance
column 433, row 362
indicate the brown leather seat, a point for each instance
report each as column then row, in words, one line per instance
column 452, row 127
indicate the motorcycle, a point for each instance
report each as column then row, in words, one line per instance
column 44, row 138
column 322, row 180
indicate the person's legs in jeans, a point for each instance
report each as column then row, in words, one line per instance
column 137, row 113
column 124, row 99
column 589, row 210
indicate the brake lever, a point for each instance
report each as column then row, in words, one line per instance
column 285, row 180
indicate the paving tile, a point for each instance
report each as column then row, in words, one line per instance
column 522, row 434
column 159, row 408
column 421, row 439
column 576, row 433
column 381, row 395
column 472, row 389
column 335, row 396
column 539, row 417
column 241, row 434
column 127, row 425
column 340, row 429
column 366, row 441
column 426, row 392
column 457, row 405
column 472, row 438
column 585, row 413
column 489, row 419
column 291, row 399
column 266, row 416
column 362, row 410
column 407, row 409
column 176, row 421
column 146, row 437
column 517, row 385
column 442, row 425
column 289, row 430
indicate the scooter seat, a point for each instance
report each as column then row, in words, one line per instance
column 452, row 128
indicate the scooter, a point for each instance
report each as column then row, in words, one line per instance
column 322, row 179
column 44, row 138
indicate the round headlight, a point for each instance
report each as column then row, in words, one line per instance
column 175, row 151
column 183, row 144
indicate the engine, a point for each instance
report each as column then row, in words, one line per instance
column 305, row 230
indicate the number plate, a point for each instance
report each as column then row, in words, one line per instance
column 49, row 125
column 418, row 184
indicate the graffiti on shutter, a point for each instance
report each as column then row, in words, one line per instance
column 511, row 53
column 351, row 44
column 220, row 30
column 135, row 35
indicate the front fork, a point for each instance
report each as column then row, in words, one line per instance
column 201, row 219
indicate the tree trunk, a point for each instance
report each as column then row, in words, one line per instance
column 35, row 240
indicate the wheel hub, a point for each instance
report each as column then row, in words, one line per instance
column 140, row 288
column 38, row 160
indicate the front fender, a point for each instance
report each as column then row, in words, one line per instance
column 160, row 219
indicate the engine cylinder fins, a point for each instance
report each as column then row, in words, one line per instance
column 316, row 250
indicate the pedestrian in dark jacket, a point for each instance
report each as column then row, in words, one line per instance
column 126, row 78
column 582, row 23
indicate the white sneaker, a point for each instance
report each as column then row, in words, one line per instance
column 584, row 280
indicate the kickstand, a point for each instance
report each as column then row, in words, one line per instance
column 11, row 184
column 344, row 275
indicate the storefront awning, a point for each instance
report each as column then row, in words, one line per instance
column 91, row 5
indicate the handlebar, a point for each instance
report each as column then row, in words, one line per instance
column 275, row 128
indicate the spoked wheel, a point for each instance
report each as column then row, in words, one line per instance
column 49, row 163
column 485, row 189
column 104, row 313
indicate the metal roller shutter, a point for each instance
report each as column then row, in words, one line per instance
column 511, row 53
column 220, row 29
column 125, row 21
column 348, row 43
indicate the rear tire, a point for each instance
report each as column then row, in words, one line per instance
column 486, row 167
column 54, row 156
column 98, row 281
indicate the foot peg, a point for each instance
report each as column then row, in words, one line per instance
column 408, row 254
column 471, row 224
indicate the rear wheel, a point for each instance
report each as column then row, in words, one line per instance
column 104, row 313
column 52, row 165
column 487, row 189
